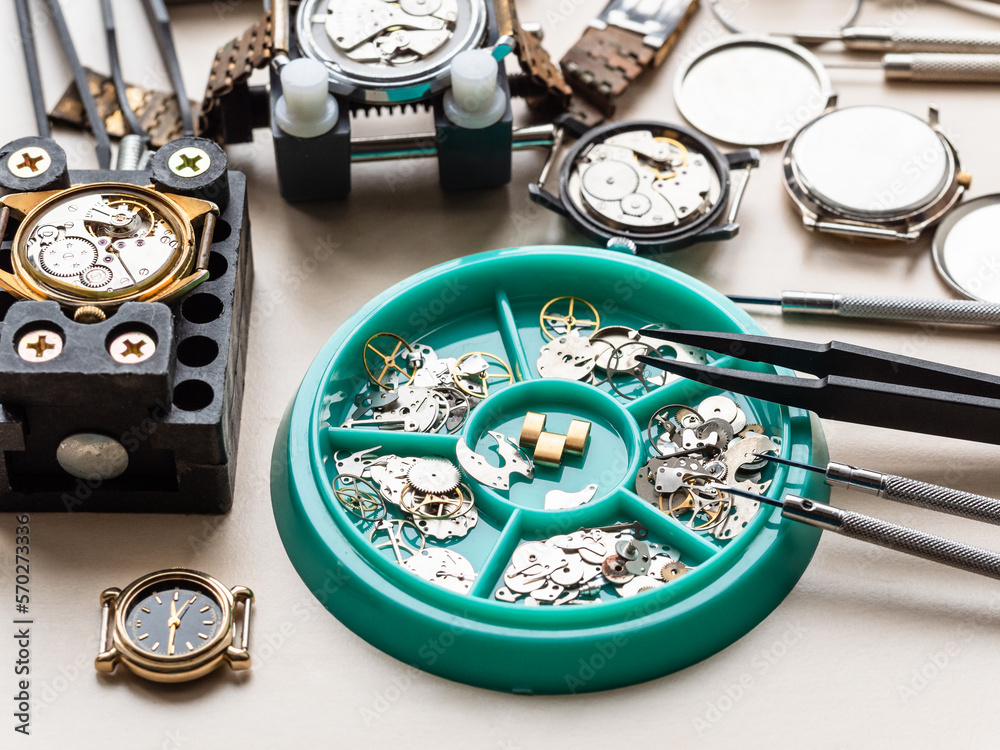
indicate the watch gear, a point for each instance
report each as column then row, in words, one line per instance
column 432, row 476
column 67, row 257
column 128, row 218
column 96, row 277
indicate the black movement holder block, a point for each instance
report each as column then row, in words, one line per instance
column 177, row 414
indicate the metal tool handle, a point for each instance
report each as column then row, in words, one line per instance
column 962, row 312
column 873, row 39
column 943, row 499
column 917, row 543
column 947, row 68
column 893, row 536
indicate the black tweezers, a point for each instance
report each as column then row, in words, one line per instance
column 855, row 384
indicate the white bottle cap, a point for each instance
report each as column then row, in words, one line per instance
column 306, row 108
column 475, row 100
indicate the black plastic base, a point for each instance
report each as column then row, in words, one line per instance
column 177, row 414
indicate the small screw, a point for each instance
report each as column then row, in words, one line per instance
column 29, row 162
column 40, row 346
column 132, row 348
column 189, row 162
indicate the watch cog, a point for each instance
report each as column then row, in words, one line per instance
column 434, row 476
column 96, row 277
column 67, row 257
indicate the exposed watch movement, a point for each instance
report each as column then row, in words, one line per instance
column 381, row 51
column 96, row 246
column 660, row 186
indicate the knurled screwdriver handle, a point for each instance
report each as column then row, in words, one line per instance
column 913, row 492
column 942, row 499
column 893, row 536
column 953, row 311
column 880, row 39
column 969, row 312
column 919, row 544
column 942, row 68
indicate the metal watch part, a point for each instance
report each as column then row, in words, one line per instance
column 873, row 172
column 497, row 477
column 105, row 244
column 389, row 52
column 752, row 91
column 660, row 186
column 964, row 248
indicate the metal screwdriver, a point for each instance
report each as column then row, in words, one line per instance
column 885, row 39
column 882, row 533
column 944, row 311
column 931, row 67
column 904, row 490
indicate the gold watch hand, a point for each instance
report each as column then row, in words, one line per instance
column 170, row 642
column 180, row 613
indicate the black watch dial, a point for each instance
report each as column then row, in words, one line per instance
column 173, row 619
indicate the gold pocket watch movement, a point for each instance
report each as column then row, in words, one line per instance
column 173, row 626
column 93, row 247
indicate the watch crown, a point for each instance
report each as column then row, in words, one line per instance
column 89, row 314
column 622, row 243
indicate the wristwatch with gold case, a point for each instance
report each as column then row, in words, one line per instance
column 173, row 626
column 93, row 247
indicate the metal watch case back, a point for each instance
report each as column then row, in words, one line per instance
column 872, row 171
column 384, row 52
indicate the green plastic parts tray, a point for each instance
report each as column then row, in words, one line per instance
column 491, row 302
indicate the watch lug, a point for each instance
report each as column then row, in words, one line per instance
column 575, row 127
column 11, row 285
column 21, row 204
column 238, row 658
column 109, row 595
column 718, row 234
column 106, row 661
column 181, row 286
column 195, row 208
column 544, row 198
column 747, row 157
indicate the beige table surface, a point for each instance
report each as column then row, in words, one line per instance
column 871, row 649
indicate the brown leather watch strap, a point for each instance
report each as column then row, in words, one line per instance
column 233, row 65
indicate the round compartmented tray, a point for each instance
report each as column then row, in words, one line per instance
column 477, row 576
